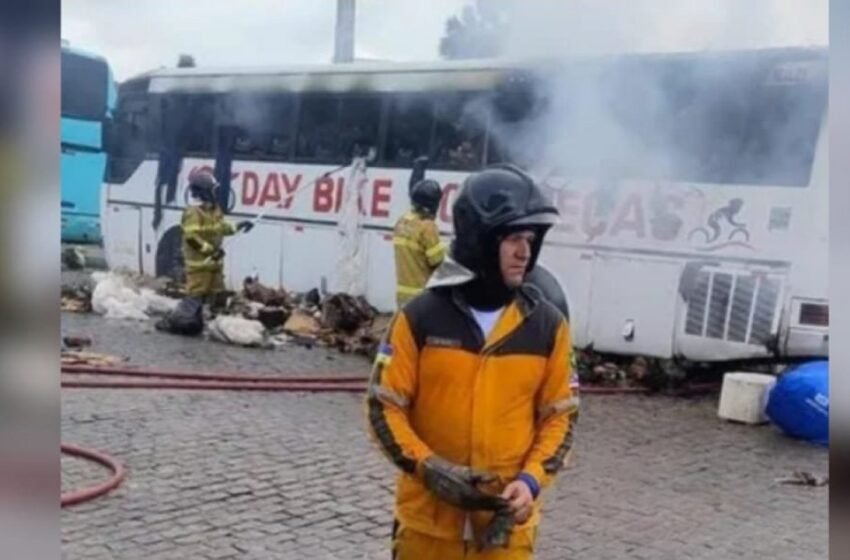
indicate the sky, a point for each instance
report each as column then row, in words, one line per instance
column 139, row 35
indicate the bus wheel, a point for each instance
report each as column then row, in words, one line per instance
column 169, row 255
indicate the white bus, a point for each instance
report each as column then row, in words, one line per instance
column 692, row 187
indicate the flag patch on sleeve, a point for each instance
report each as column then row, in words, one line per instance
column 385, row 354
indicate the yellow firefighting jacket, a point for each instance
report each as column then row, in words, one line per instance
column 418, row 252
column 502, row 404
column 207, row 227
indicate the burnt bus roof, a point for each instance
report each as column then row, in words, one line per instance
column 477, row 74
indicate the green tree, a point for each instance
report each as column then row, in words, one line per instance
column 476, row 33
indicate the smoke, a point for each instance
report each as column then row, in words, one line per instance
column 590, row 109
column 588, row 27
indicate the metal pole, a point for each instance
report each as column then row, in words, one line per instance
column 344, row 36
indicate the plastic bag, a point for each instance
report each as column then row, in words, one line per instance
column 187, row 318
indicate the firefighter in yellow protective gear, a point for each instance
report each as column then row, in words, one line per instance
column 204, row 228
column 470, row 396
column 416, row 238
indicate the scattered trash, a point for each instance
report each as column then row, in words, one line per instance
column 799, row 402
column 342, row 312
column 623, row 371
column 302, row 324
column 118, row 296
column 73, row 258
column 73, row 357
column 804, row 478
column 76, row 341
column 237, row 330
column 186, row 319
column 76, row 298
column 272, row 318
column 270, row 297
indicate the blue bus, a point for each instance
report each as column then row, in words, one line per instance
column 88, row 100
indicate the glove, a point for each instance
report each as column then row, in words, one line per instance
column 200, row 246
column 245, row 226
column 498, row 531
column 457, row 485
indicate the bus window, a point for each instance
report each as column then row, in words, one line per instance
column 197, row 132
column 514, row 106
column 460, row 120
column 318, row 129
column 264, row 124
column 411, row 119
column 782, row 134
column 127, row 138
column 359, row 118
column 84, row 87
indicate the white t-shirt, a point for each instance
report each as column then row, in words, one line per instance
column 487, row 319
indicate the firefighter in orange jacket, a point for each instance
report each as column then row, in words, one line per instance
column 470, row 396
column 204, row 229
column 416, row 239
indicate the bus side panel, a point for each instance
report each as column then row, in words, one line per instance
column 632, row 312
column 256, row 253
column 381, row 281
column 310, row 255
column 122, row 244
column 82, row 177
column 574, row 269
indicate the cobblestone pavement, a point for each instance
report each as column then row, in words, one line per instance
column 272, row 475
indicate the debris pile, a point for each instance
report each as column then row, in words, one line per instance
column 349, row 324
column 258, row 316
column 622, row 371
column 76, row 298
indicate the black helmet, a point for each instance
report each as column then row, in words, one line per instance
column 492, row 202
column 202, row 185
column 550, row 288
column 425, row 195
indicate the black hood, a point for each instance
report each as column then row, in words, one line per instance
column 492, row 204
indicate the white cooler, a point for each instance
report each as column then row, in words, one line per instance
column 744, row 396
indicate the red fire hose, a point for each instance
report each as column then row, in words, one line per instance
column 92, row 492
column 143, row 378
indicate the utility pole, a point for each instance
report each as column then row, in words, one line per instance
column 344, row 36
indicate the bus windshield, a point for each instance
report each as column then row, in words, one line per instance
column 88, row 97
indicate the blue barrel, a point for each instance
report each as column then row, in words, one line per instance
column 799, row 402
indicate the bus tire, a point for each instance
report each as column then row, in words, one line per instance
column 169, row 255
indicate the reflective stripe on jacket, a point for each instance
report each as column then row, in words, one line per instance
column 418, row 252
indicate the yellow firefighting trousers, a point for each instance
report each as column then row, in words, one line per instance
column 204, row 283
column 411, row 545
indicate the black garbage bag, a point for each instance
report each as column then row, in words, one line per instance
column 187, row 318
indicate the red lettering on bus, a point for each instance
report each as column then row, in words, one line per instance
column 445, row 208
column 381, row 190
column 323, row 198
column 340, row 182
column 250, row 188
column 591, row 230
column 630, row 217
column 290, row 186
column 271, row 190
column 568, row 208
